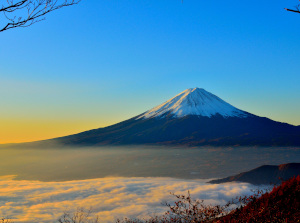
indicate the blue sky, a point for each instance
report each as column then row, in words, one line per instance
column 101, row 62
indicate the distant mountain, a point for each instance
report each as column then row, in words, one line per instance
column 194, row 117
column 266, row 174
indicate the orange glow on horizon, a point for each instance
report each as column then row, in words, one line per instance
column 18, row 131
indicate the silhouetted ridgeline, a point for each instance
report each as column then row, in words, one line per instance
column 267, row 174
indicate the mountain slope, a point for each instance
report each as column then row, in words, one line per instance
column 266, row 174
column 194, row 117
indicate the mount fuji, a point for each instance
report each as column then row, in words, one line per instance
column 194, row 101
column 194, row 117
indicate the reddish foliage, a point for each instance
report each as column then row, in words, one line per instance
column 282, row 204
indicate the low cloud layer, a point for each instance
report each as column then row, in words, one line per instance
column 110, row 198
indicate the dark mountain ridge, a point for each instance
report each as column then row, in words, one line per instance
column 266, row 174
column 192, row 131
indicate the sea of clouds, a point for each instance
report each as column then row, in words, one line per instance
column 110, row 198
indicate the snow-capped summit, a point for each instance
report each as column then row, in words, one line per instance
column 194, row 101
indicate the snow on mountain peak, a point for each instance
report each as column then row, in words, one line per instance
column 194, row 101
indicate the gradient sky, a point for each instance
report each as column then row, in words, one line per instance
column 100, row 62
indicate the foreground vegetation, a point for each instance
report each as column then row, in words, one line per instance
column 282, row 204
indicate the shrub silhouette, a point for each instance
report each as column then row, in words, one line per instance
column 185, row 209
column 79, row 216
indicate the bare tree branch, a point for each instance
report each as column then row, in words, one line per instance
column 297, row 9
column 292, row 10
column 24, row 13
